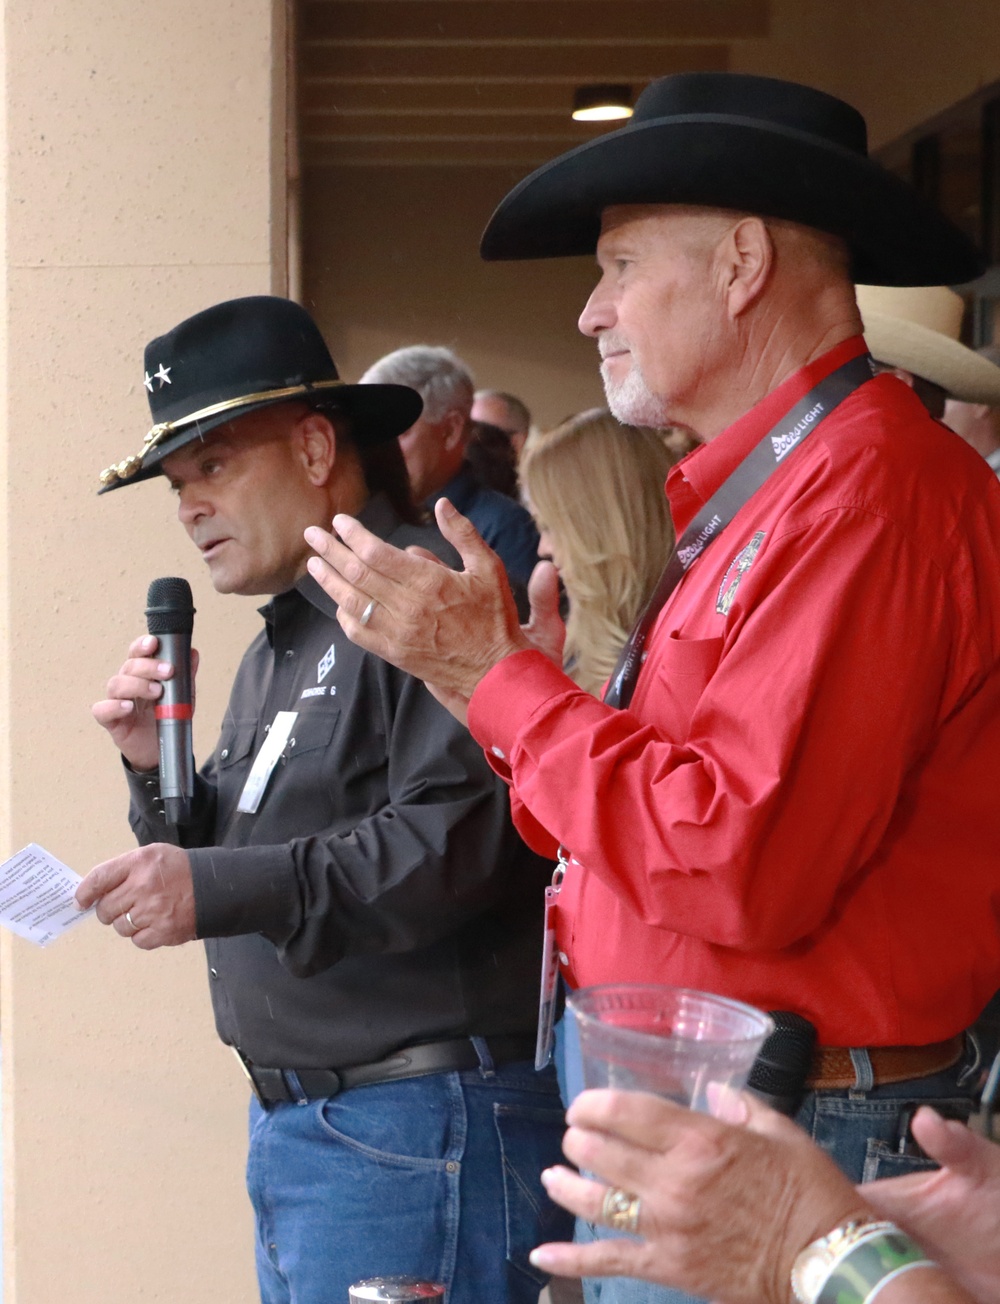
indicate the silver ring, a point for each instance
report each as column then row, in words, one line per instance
column 366, row 615
column 620, row 1210
column 131, row 922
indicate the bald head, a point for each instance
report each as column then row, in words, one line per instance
column 506, row 412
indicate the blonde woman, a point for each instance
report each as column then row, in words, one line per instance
column 595, row 488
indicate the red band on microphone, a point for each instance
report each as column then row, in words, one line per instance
column 180, row 711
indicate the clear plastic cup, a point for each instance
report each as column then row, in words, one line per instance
column 398, row 1290
column 671, row 1041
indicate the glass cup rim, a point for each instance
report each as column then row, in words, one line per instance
column 764, row 1022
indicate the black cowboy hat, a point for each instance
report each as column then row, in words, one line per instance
column 752, row 144
column 241, row 356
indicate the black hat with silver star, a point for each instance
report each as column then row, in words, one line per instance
column 238, row 357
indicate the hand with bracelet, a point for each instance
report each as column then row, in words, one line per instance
column 758, row 1214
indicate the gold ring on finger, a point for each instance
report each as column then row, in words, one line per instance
column 620, row 1210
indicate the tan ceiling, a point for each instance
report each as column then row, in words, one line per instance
column 487, row 81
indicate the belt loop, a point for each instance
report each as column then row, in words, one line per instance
column 487, row 1069
column 864, row 1074
column 296, row 1092
column 974, row 1049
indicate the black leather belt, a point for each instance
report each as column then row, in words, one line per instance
column 271, row 1085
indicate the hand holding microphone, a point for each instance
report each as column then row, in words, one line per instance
column 170, row 616
column 128, row 710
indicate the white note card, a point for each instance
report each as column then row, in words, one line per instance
column 37, row 895
column 267, row 758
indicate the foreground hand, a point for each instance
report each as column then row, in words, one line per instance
column 724, row 1210
column 132, row 695
column 545, row 630
column 153, row 884
column 953, row 1212
column 446, row 627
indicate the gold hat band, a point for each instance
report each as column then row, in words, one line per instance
column 125, row 469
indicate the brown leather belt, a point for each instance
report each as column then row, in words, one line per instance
column 833, row 1069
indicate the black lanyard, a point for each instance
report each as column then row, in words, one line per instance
column 758, row 465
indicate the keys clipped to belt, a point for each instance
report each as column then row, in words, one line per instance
column 549, row 989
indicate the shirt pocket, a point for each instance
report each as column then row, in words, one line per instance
column 307, row 787
column 232, row 760
column 235, row 744
column 312, row 731
column 683, row 669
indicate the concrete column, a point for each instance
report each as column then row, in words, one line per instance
column 144, row 174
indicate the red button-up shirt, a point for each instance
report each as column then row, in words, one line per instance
column 801, row 806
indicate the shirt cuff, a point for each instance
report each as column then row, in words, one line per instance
column 144, row 788
column 507, row 697
column 244, row 890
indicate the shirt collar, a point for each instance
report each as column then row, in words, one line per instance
column 377, row 515
column 698, row 476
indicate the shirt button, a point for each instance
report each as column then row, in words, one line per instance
column 497, row 752
column 224, row 753
column 289, row 654
column 563, row 958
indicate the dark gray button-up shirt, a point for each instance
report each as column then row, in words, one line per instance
column 379, row 896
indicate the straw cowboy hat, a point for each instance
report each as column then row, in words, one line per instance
column 752, row 144
column 918, row 330
column 241, row 356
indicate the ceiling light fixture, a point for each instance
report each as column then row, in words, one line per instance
column 602, row 103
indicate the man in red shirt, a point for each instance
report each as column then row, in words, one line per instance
column 788, row 795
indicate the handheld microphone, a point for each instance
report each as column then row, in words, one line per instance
column 779, row 1073
column 170, row 616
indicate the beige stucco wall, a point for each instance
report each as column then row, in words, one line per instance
column 391, row 253
column 139, row 157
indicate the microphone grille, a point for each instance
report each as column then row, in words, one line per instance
column 170, row 606
column 786, row 1056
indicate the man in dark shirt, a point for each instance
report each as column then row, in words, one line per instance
column 370, row 917
column 434, row 448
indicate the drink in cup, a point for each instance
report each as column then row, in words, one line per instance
column 671, row 1041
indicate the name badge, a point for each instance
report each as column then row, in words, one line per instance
column 548, row 996
column 267, row 758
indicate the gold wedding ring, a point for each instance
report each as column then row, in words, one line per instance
column 620, row 1210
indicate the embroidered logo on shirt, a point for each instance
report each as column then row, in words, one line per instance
column 326, row 664
column 735, row 571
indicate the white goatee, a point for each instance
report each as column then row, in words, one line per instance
column 632, row 401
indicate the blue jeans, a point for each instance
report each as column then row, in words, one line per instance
column 434, row 1177
column 857, row 1128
